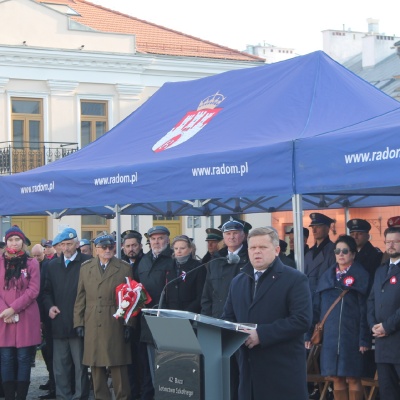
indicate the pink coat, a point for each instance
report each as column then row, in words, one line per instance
column 26, row 332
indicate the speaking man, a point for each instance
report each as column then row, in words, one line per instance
column 276, row 298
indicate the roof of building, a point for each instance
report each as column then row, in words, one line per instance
column 150, row 38
column 385, row 75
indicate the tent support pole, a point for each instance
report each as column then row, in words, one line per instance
column 346, row 218
column 298, row 231
column 118, row 230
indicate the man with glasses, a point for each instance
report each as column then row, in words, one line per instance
column 276, row 298
column 384, row 318
column 61, row 282
column 106, row 338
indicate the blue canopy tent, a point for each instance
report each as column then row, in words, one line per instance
column 362, row 159
column 221, row 144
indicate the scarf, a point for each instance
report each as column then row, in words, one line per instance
column 15, row 262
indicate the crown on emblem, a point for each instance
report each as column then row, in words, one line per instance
column 355, row 222
column 211, row 101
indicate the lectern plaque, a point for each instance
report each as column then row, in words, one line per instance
column 177, row 376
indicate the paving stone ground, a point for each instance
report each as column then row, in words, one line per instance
column 39, row 376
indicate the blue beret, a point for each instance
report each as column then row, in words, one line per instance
column 158, row 229
column 67, row 234
column 56, row 240
column 320, row 219
column 103, row 240
column 84, row 242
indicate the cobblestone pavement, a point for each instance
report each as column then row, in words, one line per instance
column 39, row 376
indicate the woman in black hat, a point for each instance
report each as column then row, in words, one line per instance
column 19, row 314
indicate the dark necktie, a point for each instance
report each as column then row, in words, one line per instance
column 103, row 266
column 257, row 276
column 390, row 268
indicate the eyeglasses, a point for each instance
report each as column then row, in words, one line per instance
column 389, row 242
column 105, row 247
column 344, row 251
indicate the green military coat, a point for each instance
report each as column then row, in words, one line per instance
column 95, row 305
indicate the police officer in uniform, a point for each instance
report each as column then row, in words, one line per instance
column 367, row 255
column 321, row 255
column 214, row 237
column 306, row 234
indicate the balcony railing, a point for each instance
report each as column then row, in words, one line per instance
column 23, row 156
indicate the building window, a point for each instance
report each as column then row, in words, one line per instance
column 27, row 122
column 94, row 120
column 93, row 226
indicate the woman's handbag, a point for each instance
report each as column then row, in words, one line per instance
column 318, row 333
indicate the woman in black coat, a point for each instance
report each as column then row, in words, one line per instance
column 185, row 293
column 346, row 333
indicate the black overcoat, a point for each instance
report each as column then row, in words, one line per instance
column 60, row 290
column 346, row 327
column 218, row 279
column 185, row 294
column 384, row 307
column 315, row 267
column 276, row 368
column 370, row 258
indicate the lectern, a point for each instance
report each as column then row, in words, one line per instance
column 215, row 339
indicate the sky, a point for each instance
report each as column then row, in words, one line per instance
column 286, row 23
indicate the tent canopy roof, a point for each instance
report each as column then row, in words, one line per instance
column 243, row 140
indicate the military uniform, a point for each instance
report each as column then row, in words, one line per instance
column 319, row 258
column 104, row 344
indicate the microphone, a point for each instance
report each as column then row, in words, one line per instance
column 231, row 258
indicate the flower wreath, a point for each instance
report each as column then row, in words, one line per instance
column 131, row 298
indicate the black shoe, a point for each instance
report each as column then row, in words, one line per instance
column 315, row 395
column 46, row 386
column 50, row 395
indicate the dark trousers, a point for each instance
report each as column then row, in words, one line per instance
column 389, row 378
column 234, row 375
column 147, row 382
column 16, row 363
column 134, row 370
column 47, row 353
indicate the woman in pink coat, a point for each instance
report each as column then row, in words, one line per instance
column 19, row 314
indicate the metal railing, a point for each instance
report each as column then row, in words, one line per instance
column 23, row 156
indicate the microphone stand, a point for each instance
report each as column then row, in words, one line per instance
column 230, row 258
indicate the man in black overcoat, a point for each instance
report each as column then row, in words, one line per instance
column 384, row 318
column 277, row 298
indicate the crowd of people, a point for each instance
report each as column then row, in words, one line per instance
column 62, row 297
